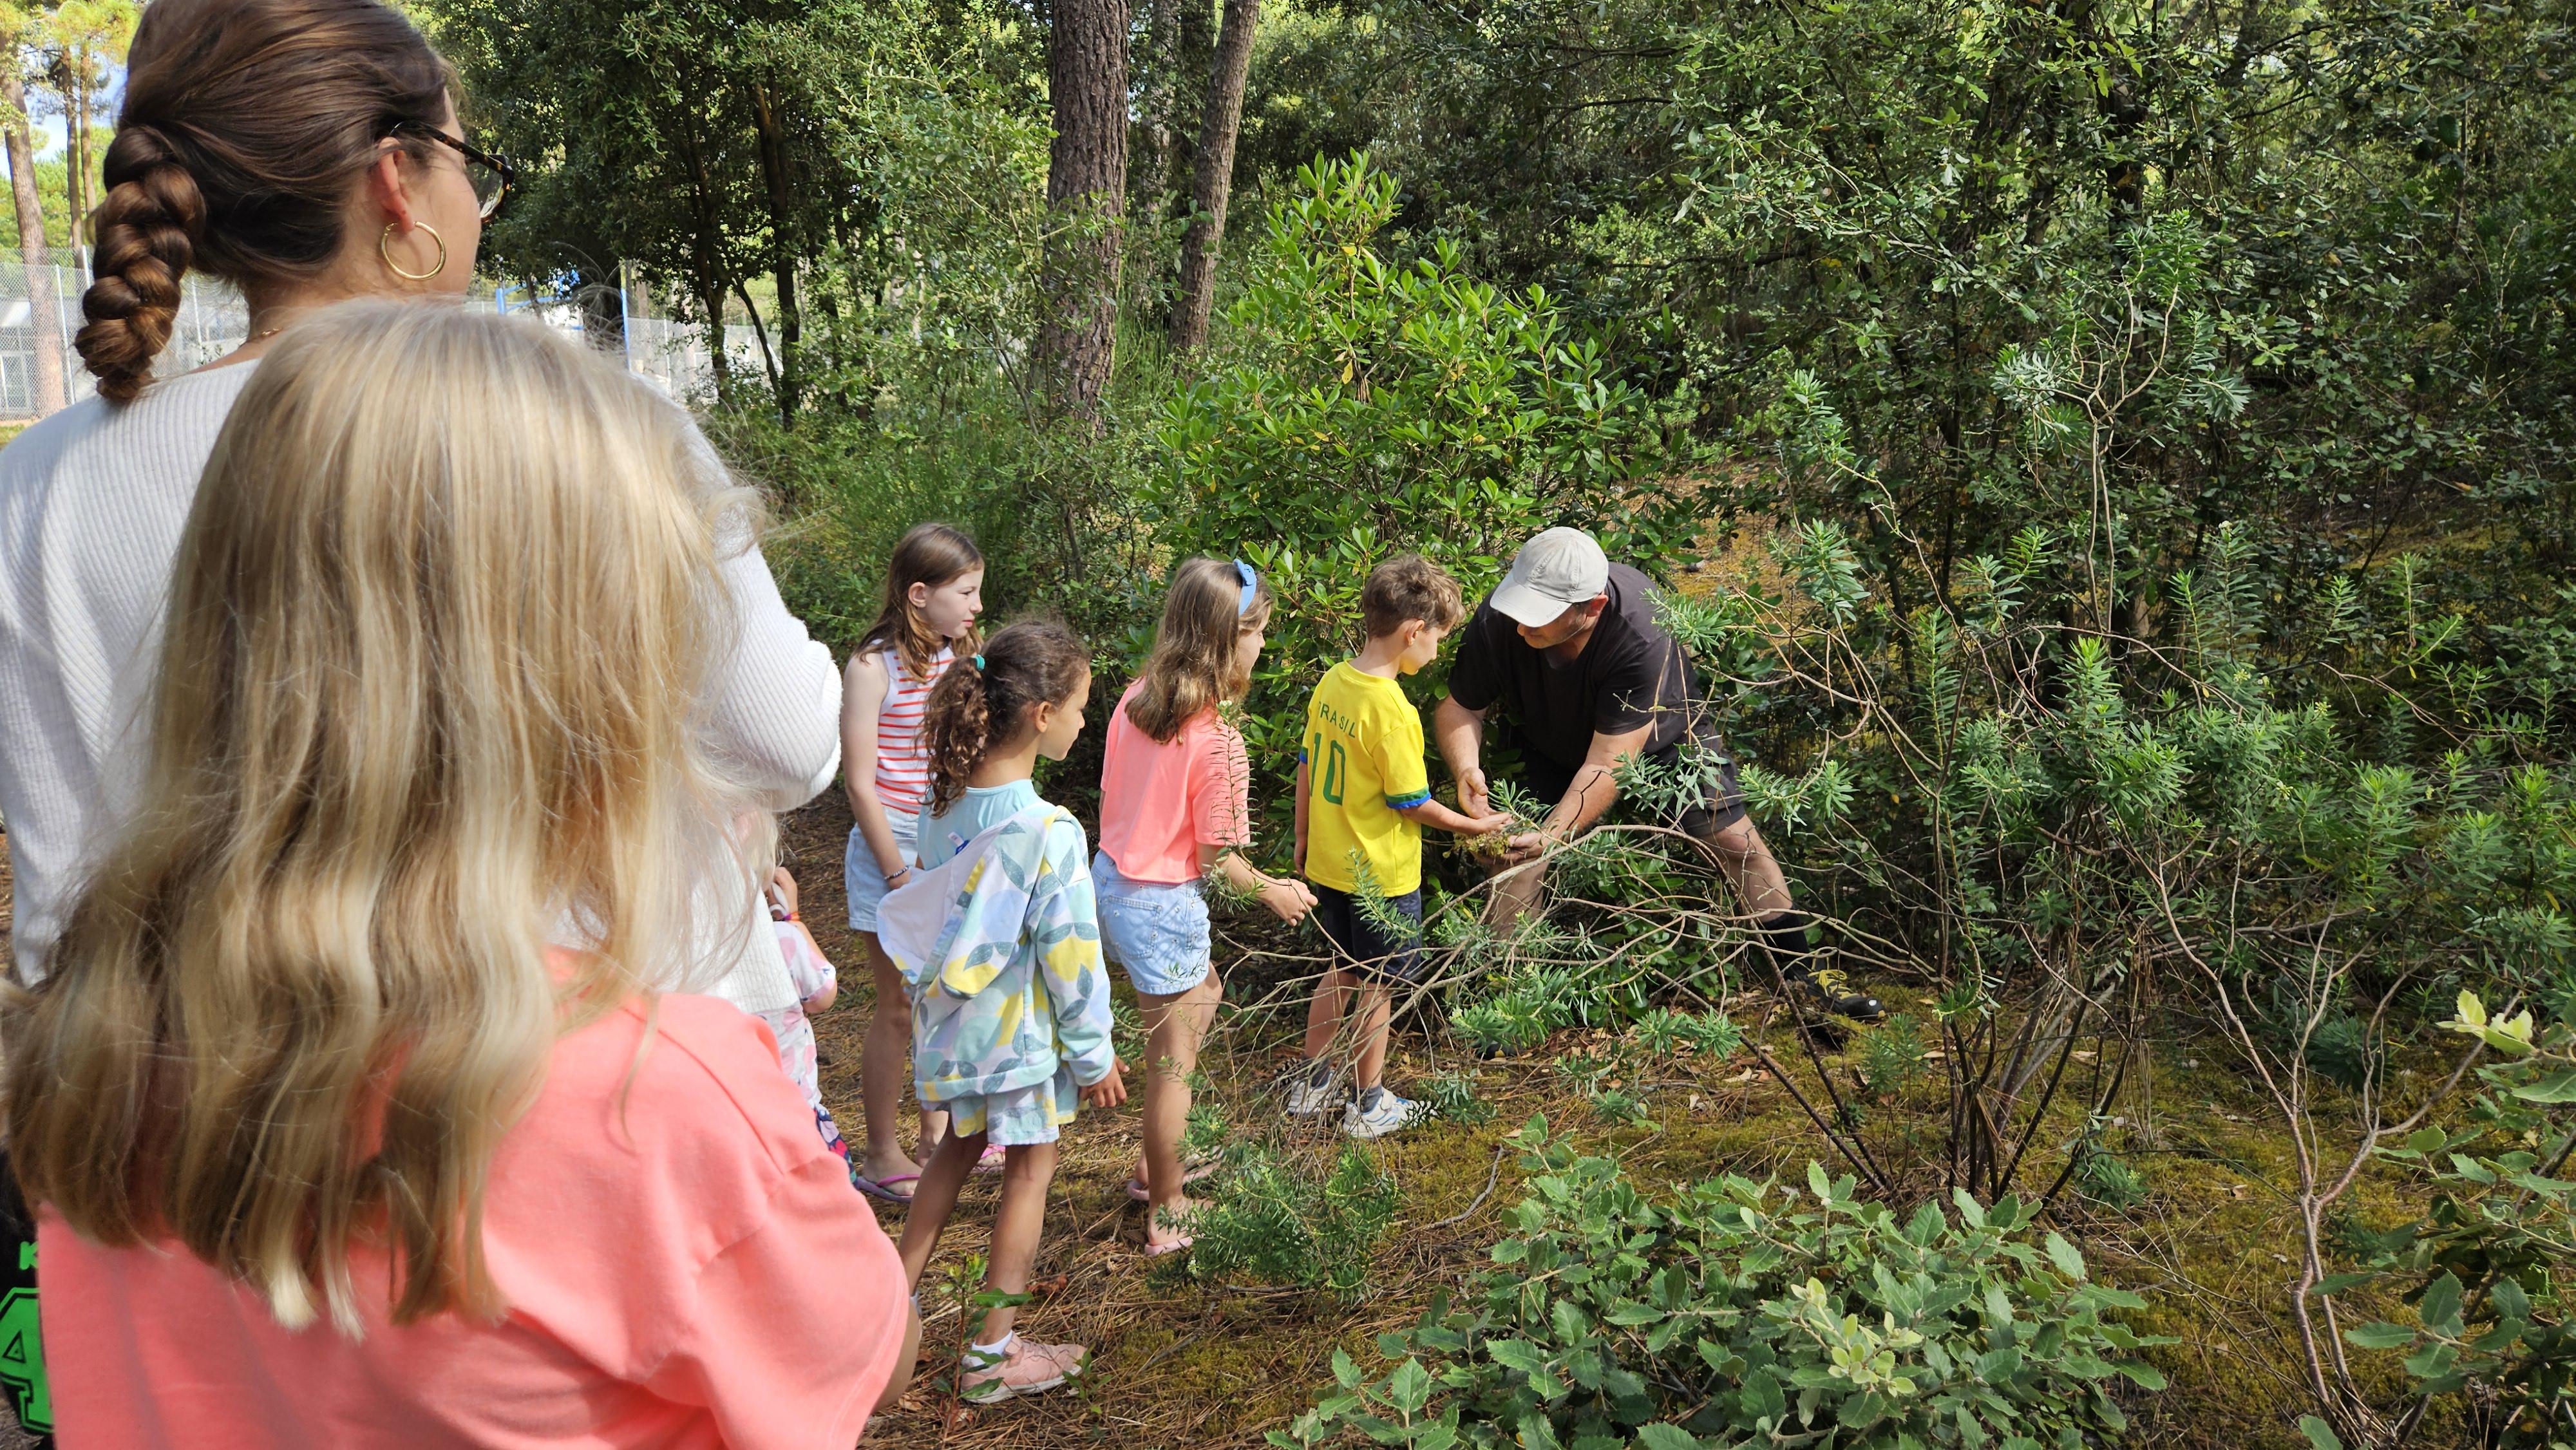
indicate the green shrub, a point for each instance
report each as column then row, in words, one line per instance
column 1361, row 404
column 2103, row 1178
column 2485, row 1271
column 1453, row 1099
column 1712, row 1033
column 1742, row 1314
column 1499, row 1028
column 1207, row 1130
column 1892, row 1055
column 1273, row 1219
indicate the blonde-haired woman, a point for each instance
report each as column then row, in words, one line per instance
column 348, row 1109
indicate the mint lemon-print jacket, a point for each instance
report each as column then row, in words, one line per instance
column 1016, row 985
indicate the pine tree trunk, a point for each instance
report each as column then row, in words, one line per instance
column 719, row 361
column 1161, row 112
column 1087, row 190
column 791, row 319
column 1212, row 183
column 44, row 311
column 76, row 156
column 1195, row 34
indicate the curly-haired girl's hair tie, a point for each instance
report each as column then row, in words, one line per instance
column 979, row 662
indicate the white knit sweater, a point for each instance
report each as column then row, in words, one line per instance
column 92, row 502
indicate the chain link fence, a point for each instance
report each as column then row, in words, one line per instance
column 40, row 315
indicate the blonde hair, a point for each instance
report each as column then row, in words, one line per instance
column 1195, row 664
column 422, row 715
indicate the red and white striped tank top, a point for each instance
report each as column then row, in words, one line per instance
column 903, row 763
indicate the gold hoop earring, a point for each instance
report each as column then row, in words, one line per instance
column 384, row 249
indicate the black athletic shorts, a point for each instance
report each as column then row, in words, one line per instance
column 1378, row 952
column 1549, row 781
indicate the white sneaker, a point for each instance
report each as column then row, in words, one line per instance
column 1391, row 1114
column 1305, row 1099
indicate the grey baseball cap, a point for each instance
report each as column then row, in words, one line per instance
column 1552, row 573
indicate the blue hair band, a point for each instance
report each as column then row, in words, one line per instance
column 1251, row 586
column 979, row 662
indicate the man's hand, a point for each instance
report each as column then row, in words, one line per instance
column 1110, row 1091
column 1475, row 796
column 1289, row 900
column 1527, row 846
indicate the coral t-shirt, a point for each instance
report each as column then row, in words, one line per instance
column 1162, row 800
column 685, row 1265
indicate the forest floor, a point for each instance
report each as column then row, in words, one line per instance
column 1177, row 1363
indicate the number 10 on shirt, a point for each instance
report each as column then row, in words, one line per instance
column 1328, row 779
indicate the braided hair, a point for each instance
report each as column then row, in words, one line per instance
column 984, row 702
column 244, row 126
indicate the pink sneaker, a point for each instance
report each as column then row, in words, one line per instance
column 1023, row 1369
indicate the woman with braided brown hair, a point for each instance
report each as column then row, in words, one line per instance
column 307, row 152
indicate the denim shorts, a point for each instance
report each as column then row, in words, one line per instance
column 1158, row 932
column 859, row 874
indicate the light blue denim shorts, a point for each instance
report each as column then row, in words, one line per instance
column 859, row 874
column 1158, row 932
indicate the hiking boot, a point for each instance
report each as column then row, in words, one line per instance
column 1389, row 1114
column 1021, row 1368
column 1818, row 988
column 1824, row 989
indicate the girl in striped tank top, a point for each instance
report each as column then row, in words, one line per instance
column 933, row 591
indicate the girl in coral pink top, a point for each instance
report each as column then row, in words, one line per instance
column 1175, row 801
column 347, row 1111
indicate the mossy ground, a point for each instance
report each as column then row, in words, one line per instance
column 1181, row 1364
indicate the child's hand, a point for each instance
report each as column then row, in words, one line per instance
column 1110, row 1091
column 783, row 886
column 1288, row 900
column 1486, row 825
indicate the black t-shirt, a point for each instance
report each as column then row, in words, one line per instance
column 1631, row 673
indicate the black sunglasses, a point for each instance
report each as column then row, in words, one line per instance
column 491, row 176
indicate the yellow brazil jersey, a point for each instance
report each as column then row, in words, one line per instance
column 1363, row 762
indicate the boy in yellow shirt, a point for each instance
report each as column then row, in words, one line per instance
column 1363, row 797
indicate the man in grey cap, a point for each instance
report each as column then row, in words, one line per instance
column 1569, row 650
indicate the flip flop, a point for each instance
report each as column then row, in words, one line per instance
column 1137, row 1191
column 992, row 1158
column 883, row 1188
column 1156, row 1251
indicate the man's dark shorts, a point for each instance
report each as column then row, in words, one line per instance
column 1549, row 781
column 1379, row 953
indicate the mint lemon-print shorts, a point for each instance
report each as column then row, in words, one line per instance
column 1019, row 1117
